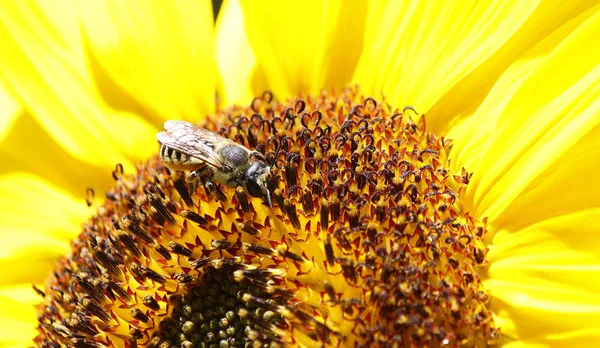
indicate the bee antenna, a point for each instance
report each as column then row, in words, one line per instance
column 269, row 202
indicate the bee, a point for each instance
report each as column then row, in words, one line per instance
column 213, row 159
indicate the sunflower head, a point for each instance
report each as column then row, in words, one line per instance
column 366, row 244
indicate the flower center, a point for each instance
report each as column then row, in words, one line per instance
column 366, row 242
column 218, row 312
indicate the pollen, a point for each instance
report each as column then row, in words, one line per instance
column 367, row 243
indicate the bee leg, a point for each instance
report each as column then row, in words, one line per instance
column 212, row 188
column 196, row 176
column 219, row 193
column 209, row 186
column 203, row 175
column 192, row 182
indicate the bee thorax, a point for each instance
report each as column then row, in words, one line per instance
column 235, row 154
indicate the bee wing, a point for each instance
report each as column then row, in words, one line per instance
column 192, row 141
column 173, row 126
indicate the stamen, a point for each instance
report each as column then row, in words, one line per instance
column 190, row 215
column 329, row 251
column 89, row 196
column 291, row 212
column 330, row 292
column 96, row 310
column 248, row 229
column 220, row 244
column 182, row 190
column 111, row 265
column 139, row 315
column 129, row 243
column 150, row 302
column 118, row 172
column 307, row 202
column 201, row 262
column 259, row 249
column 183, row 278
column 150, row 273
column 324, row 214
column 242, row 199
column 163, row 251
column 161, row 209
column 132, row 227
column 180, row 249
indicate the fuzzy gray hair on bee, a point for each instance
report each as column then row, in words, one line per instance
column 211, row 159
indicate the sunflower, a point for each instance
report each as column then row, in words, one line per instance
column 440, row 199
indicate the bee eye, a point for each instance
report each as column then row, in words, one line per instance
column 254, row 189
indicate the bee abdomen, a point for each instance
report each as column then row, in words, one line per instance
column 170, row 155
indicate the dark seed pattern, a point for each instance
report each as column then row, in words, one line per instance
column 366, row 244
column 219, row 311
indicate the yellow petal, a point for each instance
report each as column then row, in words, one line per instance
column 547, row 128
column 37, row 220
column 9, row 110
column 30, row 203
column 44, row 64
column 305, row 46
column 415, row 51
column 533, row 147
column 28, row 148
column 18, row 316
column 462, row 99
column 521, row 344
column 565, row 184
column 23, row 293
column 159, row 52
column 471, row 135
column 544, row 279
column 235, row 60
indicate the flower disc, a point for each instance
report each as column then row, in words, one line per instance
column 366, row 244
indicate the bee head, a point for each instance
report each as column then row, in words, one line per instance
column 256, row 181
